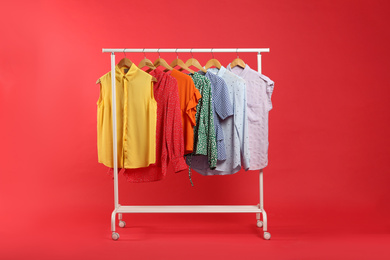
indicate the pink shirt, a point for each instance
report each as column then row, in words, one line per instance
column 259, row 89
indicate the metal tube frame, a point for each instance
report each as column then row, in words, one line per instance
column 259, row 209
column 258, row 50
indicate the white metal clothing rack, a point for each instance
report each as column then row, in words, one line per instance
column 119, row 209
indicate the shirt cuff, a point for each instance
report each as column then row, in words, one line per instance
column 179, row 164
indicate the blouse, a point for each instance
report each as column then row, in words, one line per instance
column 136, row 119
column 189, row 98
column 259, row 89
column 235, row 130
column 204, row 132
column 169, row 132
column 223, row 108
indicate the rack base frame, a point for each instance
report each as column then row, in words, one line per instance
column 261, row 215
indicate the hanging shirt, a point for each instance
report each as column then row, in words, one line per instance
column 235, row 130
column 169, row 132
column 189, row 98
column 136, row 119
column 223, row 108
column 259, row 89
column 204, row 131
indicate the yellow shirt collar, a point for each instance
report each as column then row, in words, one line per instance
column 119, row 73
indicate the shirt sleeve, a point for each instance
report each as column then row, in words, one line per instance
column 174, row 130
column 211, row 138
column 223, row 106
column 192, row 103
column 241, row 124
column 269, row 89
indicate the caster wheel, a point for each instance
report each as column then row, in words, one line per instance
column 122, row 224
column 115, row 236
column 259, row 223
column 267, row 236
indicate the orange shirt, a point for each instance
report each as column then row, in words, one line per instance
column 189, row 98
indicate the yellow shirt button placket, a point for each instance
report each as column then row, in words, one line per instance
column 125, row 85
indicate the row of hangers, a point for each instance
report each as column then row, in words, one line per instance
column 191, row 62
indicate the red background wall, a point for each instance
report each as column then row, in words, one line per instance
column 329, row 145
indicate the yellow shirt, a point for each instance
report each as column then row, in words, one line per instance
column 136, row 118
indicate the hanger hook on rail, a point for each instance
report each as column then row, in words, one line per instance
column 237, row 53
column 124, row 52
column 158, row 51
column 212, row 53
column 144, row 53
column 177, row 54
column 191, row 53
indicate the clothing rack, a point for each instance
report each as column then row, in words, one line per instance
column 119, row 209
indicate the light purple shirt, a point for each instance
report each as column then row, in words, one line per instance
column 259, row 89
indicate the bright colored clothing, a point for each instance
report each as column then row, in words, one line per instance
column 222, row 108
column 189, row 98
column 204, row 131
column 259, row 89
column 169, row 132
column 136, row 111
column 235, row 130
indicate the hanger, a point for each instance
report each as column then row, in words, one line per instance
column 125, row 62
column 146, row 63
column 213, row 62
column 237, row 62
column 194, row 62
column 161, row 62
column 178, row 62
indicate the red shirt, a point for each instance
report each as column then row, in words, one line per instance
column 169, row 132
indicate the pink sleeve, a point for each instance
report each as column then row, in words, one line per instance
column 174, row 129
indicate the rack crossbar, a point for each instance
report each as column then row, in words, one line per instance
column 258, row 50
column 190, row 209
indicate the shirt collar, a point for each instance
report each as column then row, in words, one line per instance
column 219, row 72
column 132, row 70
column 239, row 71
column 158, row 74
column 202, row 73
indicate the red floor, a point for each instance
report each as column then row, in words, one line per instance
column 85, row 234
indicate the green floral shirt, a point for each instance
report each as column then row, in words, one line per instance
column 204, row 132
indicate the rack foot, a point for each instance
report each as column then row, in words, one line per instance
column 122, row 223
column 259, row 223
column 267, row 235
column 115, row 236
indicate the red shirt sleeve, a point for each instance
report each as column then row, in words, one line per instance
column 174, row 129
